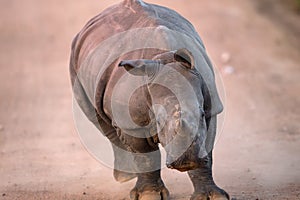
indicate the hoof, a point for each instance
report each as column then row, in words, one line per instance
column 211, row 193
column 150, row 196
column 158, row 194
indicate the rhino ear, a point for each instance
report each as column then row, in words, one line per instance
column 185, row 57
column 140, row 67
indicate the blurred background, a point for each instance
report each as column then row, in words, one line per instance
column 255, row 46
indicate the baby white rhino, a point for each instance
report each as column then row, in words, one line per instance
column 141, row 75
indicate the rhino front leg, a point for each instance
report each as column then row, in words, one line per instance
column 149, row 186
column 204, row 185
column 202, row 179
column 123, row 168
column 146, row 159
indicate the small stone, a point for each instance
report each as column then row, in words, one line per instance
column 225, row 57
column 3, row 194
column 84, row 193
column 228, row 69
column 284, row 129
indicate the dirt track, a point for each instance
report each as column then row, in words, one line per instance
column 257, row 154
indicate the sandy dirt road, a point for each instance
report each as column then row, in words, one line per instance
column 257, row 154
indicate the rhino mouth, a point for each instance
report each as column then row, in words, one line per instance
column 182, row 167
column 189, row 160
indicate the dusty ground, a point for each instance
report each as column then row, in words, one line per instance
column 257, row 154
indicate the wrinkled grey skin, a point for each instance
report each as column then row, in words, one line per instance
column 178, row 121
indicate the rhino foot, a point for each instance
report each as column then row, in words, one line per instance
column 150, row 191
column 210, row 193
column 150, row 195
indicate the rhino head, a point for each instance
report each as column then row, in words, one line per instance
column 177, row 104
